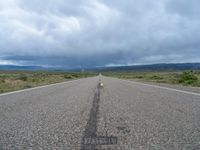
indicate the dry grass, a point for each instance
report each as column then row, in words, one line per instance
column 16, row 80
column 187, row 78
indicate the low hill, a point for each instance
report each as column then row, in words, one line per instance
column 15, row 67
column 154, row 67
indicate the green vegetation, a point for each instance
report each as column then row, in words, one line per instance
column 186, row 78
column 16, row 80
column 189, row 78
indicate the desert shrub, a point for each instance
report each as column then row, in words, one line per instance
column 34, row 80
column 155, row 77
column 27, row 86
column 188, row 78
column 139, row 77
column 22, row 77
column 2, row 80
column 75, row 75
column 68, row 76
column 197, row 72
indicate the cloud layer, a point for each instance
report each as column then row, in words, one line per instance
column 88, row 33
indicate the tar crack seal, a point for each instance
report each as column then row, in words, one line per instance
column 90, row 138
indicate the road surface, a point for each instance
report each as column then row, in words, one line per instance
column 84, row 115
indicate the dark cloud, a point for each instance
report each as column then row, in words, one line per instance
column 184, row 8
column 99, row 32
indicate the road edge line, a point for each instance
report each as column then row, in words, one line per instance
column 162, row 87
column 167, row 88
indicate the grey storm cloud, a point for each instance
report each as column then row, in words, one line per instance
column 88, row 33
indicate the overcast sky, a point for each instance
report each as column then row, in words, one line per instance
column 88, row 33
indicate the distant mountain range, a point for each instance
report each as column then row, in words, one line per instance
column 152, row 67
column 15, row 67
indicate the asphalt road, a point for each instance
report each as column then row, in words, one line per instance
column 82, row 115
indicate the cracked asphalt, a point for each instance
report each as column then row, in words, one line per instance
column 79, row 115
